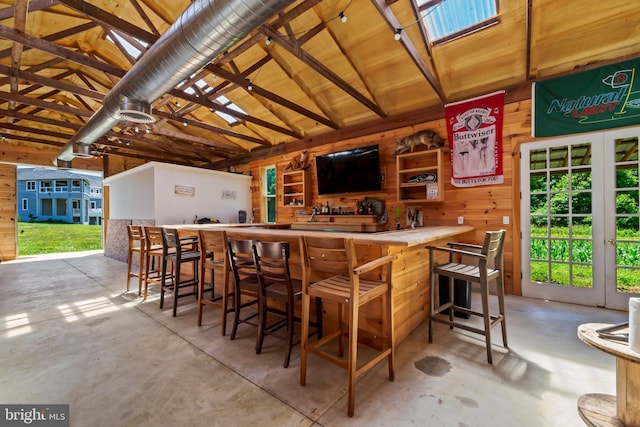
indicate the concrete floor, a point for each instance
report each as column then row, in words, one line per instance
column 69, row 333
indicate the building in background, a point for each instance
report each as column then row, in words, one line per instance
column 59, row 195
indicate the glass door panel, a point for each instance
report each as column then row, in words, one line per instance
column 557, row 218
column 623, row 218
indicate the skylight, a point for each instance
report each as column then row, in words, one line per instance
column 449, row 19
column 133, row 51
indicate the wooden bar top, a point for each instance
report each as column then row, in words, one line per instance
column 405, row 238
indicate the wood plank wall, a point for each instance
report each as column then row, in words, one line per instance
column 8, row 212
column 483, row 207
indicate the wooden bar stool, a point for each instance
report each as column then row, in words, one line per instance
column 214, row 257
column 177, row 251
column 245, row 279
column 137, row 245
column 272, row 263
column 154, row 253
column 344, row 284
column 487, row 268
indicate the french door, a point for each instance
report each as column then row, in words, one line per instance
column 580, row 219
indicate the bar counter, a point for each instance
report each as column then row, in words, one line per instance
column 410, row 269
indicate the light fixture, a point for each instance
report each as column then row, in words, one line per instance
column 398, row 34
column 268, row 42
column 342, row 16
column 184, row 123
column 137, row 129
column 177, row 104
column 148, row 129
column 128, row 143
column 249, row 87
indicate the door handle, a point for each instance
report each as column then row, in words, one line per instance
column 611, row 242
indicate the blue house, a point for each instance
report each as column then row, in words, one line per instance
column 59, row 195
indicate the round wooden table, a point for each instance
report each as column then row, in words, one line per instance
column 606, row 410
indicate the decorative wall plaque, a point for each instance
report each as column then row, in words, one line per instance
column 186, row 190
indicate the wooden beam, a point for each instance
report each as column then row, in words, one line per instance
column 241, row 81
column 192, row 138
column 34, row 5
column 321, row 69
column 19, row 21
column 233, row 113
column 44, row 104
column 211, row 128
column 31, row 117
column 54, row 83
column 110, row 20
column 35, row 130
column 60, row 52
column 56, row 36
column 409, row 47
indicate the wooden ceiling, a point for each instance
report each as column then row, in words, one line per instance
column 317, row 76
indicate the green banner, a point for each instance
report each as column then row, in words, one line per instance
column 602, row 98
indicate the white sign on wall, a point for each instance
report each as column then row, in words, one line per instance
column 228, row 194
column 186, row 190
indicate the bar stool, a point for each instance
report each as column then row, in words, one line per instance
column 178, row 251
column 214, row 257
column 137, row 245
column 154, row 254
column 488, row 268
column 274, row 276
column 345, row 286
column 245, row 279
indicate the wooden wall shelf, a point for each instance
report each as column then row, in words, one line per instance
column 426, row 164
column 295, row 188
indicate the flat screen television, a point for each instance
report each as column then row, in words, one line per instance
column 349, row 171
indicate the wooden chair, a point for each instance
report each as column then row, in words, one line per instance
column 487, row 268
column 214, row 257
column 178, row 251
column 274, row 276
column 245, row 279
column 153, row 259
column 346, row 287
column 137, row 245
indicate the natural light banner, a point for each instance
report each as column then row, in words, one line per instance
column 602, row 98
column 474, row 127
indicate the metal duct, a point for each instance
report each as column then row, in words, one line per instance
column 205, row 29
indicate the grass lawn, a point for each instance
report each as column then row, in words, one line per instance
column 46, row 238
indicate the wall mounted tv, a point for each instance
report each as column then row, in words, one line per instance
column 350, row 171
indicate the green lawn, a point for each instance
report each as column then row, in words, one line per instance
column 44, row 238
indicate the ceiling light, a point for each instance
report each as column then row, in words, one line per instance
column 177, row 104
column 184, row 123
column 148, row 129
column 398, row 34
column 268, row 42
column 137, row 129
column 249, row 87
column 342, row 16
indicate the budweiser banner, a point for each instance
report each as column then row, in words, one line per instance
column 602, row 98
column 474, row 127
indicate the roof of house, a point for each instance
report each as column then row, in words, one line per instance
column 28, row 174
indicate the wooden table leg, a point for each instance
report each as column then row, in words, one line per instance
column 628, row 391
